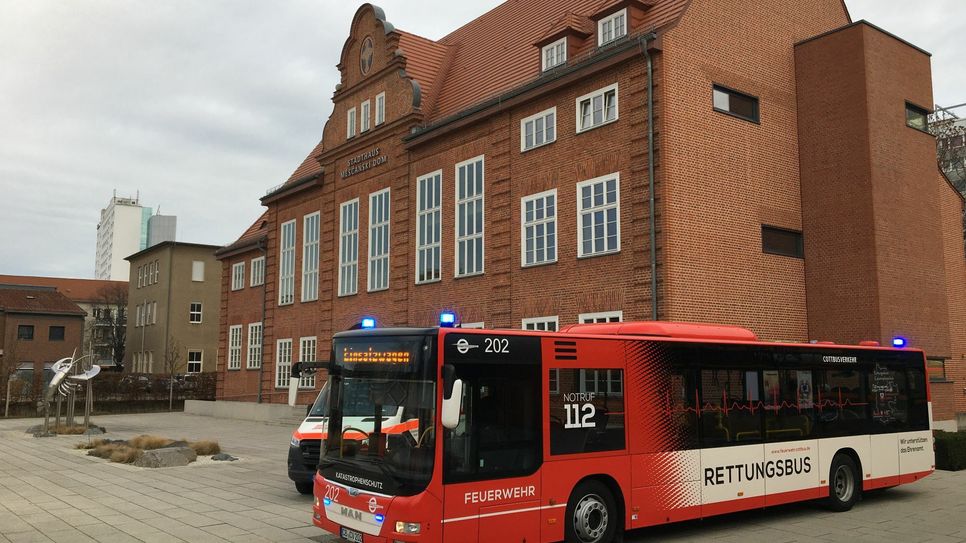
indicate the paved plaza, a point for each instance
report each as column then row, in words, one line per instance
column 51, row 492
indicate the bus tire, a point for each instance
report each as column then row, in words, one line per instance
column 592, row 515
column 844, row 483
column 304, row 487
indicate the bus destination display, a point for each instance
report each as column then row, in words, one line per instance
column 354, row 355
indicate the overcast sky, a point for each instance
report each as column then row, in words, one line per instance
column 201, row 106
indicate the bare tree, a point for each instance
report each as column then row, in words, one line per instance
column 173, row 363
column 950, row 132
column 110, row 320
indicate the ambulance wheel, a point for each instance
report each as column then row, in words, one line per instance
column 844, row 484
column 304, row 488
column 592, row 515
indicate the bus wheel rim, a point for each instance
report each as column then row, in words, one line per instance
column 844, row 483
column 590, row 519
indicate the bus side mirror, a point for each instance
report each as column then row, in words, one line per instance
column 452, row 404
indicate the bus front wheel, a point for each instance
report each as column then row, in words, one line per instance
column 305, row 487
column 592, row 515
column 844, row 485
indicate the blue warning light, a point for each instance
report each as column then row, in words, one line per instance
column 368, row 322
column 899, row 342
column 447, row 319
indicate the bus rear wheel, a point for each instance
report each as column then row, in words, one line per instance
column 844, row 485
column 305, row 487
column 592, row 515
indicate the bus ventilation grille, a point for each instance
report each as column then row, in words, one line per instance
column 565, row 350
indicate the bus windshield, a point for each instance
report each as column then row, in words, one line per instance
column 382, row 414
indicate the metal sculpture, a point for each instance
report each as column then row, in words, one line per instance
column 63, row 385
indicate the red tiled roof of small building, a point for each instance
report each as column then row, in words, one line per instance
column 256, row 231
column 37, row 300
column 77, row 290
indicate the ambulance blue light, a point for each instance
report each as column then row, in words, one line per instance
column 380, row 518
column 899, row 342
column 328, row 501
column 368, row 322
column 447, row 319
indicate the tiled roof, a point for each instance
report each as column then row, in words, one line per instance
column 570, row 20
column 256, row 231
column 78, row 290
column 37, row 300
column 426, row 62
column 308, row 166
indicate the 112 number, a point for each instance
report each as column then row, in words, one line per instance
column 580, row 416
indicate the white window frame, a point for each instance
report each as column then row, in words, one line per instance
column 192, row 313
column 200, row 362
column 612, row 18
column 365, row 111
column 197, row 271
column 154, row 312
column 380, row 108
column 137, row 320
column 473, row 325
column 347, row 266
column 426, row 218
column 603, row 96
column 581, row 211
column 533, row 119
column 234, row 346
column 311, row 227
column 307, row 381
column 559, row 51
column 590, row 318
column 238, row 275
column 555, row 372
column 350, row 123
column 286, row 264
column 377, row 271
column 140, row 275
column 531, row 323
column 157, row 273
column 481, row 235
column 254, row 358
column 257, row 271
column 610, row 378
column 549, row 223
column 283, row 362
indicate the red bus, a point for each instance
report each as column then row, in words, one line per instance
column 582, row 434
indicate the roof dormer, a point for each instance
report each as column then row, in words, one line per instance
column 618, row 18
column 563, row 39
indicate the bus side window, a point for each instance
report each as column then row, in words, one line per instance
column 730, row 407
column 918, row 404
column 889, row 398
column 789, row 404
column 841, row 401
column 682, row 395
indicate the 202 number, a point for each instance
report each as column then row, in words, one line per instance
column 496, row 345
column 332, row 492
column 579, row 416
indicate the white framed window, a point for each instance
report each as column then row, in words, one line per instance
column 157, row 271
column 612, row 27
column 380, row 108
column 258, row 271
column 286, row 264
column 307, row 347
column 472, row 325
column 429, row 207
column 538, row 232
column 601, row 381
column 238, row 276
column 234, row 346
column 194, row 313
column 469, row 217
column 596, row 318
column 597, row 108
column 544, row 324
column 138, row 320
column 154, row 312
column 554, row 381
column 310, row 257
column 197, row 270
column 140, row 275
column 539, row 129
column 195, row 358
column 364, row 112
column 349, row 247
column 283, row 362
column 598, row 216
column 555, row 54
column 379, row 240
column 350, row 123
column 254, row 360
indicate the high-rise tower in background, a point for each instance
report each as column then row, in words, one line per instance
column 125, row 228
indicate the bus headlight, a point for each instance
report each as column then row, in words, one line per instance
column 295, row 441
column 407, row 527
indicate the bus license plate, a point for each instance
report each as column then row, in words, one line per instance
column 350, row 535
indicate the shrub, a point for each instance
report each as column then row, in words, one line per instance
column 205, row 448
column 950, row 450
column 148, row 443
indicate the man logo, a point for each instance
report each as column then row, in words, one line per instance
column 464, row 346
column 351, row 513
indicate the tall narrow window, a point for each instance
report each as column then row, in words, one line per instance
column 539, row 228
column 597, row 108
column 380, row 108
column 194, row 361
column 735, row 103
column 350, row 123
column 469, row 217
column 598, row 216
column 254, row 346
column 555, row 54
column 238, row 276
column 286, row 264
column 539, row 129
column 283, row 362
column 307, row 354
column 194, row 313
column 310, row 257
column 612, row 27
column 379, row 240
column 364, row 112
column 258, row 271
column 234, row 347
column 198, row 270
column 157, row 271
column 140, row 275
column 428, row 221
column 349, row 248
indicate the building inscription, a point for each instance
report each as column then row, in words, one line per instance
column 363, row 162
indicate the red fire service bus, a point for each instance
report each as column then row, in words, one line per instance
column 578, row 435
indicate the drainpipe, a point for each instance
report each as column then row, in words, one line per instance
column 650, row 171
column 261, row 363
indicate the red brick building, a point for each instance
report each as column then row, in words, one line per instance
column 553, row 162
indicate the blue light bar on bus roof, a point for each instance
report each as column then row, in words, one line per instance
column 899, row 342
column 447, row 319
column 368, row 322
